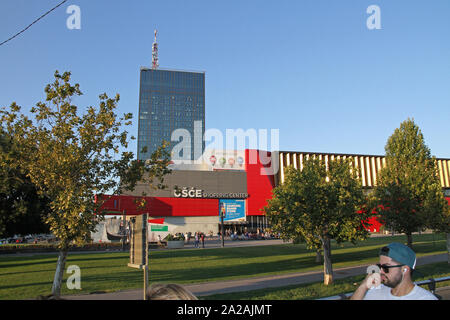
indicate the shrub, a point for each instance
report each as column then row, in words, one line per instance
column 171, row 237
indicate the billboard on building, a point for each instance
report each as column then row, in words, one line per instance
column 224, row 159
column 234, row 209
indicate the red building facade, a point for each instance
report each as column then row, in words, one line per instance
column 250, row 185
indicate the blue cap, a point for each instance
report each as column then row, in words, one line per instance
column 400, row 253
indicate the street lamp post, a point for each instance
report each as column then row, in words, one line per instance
column 222, row 214
column 123, row 230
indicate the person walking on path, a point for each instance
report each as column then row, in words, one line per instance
column 394, row 280
column 196, row 242
column 203, row 240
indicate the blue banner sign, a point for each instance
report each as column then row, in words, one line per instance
column 234, row 209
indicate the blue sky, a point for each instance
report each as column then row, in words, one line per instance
column 311, row 69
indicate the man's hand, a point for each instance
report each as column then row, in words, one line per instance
column 371, row 280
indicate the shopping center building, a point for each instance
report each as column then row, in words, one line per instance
column 241, row 182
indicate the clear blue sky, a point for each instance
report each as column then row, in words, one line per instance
column 311, row 69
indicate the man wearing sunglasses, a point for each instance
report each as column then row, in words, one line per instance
column 397, row 263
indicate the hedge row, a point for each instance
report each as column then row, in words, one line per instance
column 27, row 248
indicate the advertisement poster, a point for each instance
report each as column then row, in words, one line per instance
column 234, row 209
column 224, row 159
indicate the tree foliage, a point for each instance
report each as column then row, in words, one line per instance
column 71, row 158
column 408, row 194
column 21, row 208
column 316, row 205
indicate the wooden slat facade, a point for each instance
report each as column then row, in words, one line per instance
column 369, row 165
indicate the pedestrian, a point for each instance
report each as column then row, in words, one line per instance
column 196, row 240
column 394, row 281
column 203, row 240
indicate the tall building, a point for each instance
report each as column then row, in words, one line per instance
column 170, row 100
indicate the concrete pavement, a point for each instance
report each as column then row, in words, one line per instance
column 218, row 287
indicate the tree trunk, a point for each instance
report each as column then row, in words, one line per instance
column 328, row 267
column 448, row 248
column 410, row 239
column 318, row 256
column 60, row 267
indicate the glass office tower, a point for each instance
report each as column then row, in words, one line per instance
column 170, row 100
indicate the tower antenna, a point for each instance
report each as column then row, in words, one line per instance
column 155, row 61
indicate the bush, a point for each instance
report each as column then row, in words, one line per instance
column 171, row 237
column 13, row 248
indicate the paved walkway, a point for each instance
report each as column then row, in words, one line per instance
column 209, row 288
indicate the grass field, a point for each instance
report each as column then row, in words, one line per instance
column 28, row 277
column 319, row 290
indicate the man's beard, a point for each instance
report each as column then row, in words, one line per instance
column 391, row 283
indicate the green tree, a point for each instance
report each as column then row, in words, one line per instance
column 21, row 208
column 408, row 193
column 71, row 158
column 441, row 223
column 317, row 205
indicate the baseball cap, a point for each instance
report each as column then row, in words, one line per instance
column 400, row 253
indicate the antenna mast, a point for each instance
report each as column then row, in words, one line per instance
column 155, row 61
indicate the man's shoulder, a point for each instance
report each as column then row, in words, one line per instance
column 420, row 293
column 383, row 292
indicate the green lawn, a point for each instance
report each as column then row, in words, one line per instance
column 319, row 290
column 28, row 277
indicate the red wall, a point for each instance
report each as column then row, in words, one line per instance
column 259, row 187
column 375, row 225
column 162, row 207
column 179, row 207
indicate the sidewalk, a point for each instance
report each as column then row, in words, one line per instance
column 209, row 288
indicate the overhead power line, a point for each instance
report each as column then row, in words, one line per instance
column 22, row 31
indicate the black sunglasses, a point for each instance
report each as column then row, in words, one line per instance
column 386, row 267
